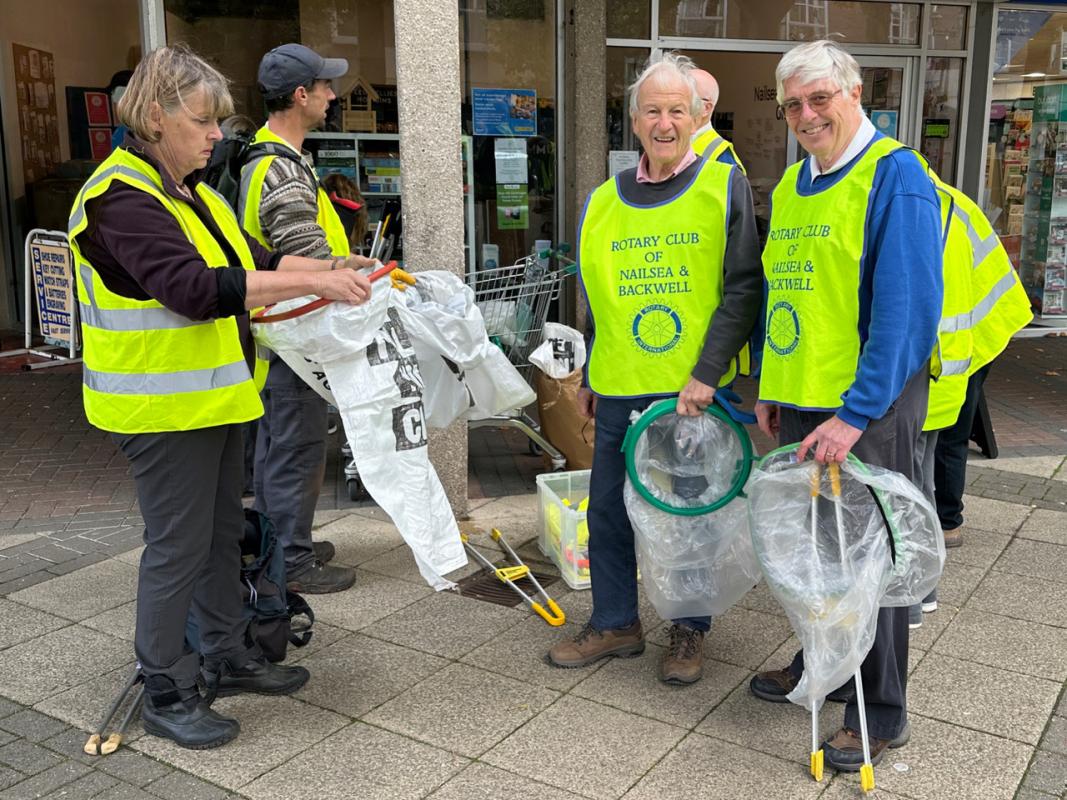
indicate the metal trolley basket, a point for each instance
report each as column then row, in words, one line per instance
column 515, row 301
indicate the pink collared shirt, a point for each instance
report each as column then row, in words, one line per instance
column 642, row 167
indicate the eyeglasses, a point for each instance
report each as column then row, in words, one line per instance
column 816, row 102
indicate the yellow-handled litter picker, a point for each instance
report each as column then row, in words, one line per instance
column 547, row 609
column 867, row 770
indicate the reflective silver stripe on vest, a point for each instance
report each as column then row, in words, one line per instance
column 78, row 214
column 167, row 383
column 979, row 246
column 962, row 322
column 128, row 319
column 958, row 367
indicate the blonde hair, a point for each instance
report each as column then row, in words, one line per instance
column 168, row 75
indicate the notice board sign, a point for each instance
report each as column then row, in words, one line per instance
column 53, row 282
column 504, row 112
column 35, row 91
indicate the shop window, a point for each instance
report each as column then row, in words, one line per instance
column 509, row 111
column 1026, row 159
column 939, row 136
column 793, row 20
column 629, row 19
column 623, row 66
column 948, row 28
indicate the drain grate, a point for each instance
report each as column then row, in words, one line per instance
column 488, row 587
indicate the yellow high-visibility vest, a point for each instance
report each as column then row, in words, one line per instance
column 252, row 176
column 711, row 145
column 653, row 277
column 147, row 369
column 985, row 304
column 811, row 267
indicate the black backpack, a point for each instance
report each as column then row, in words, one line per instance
column 229, row 156
column 269, row 609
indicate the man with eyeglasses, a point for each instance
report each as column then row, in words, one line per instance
column 853, row 274
column 707, row 141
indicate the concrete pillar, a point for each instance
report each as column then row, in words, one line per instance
column 428, row 98
column 590, row 135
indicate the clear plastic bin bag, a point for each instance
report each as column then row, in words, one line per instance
column 688, row 462
column 829, row 558
column 691, row 564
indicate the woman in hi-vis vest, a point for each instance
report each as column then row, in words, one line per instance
column 165, row 280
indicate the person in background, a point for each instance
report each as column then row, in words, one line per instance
column 853, row 269
column 284, row 208
column 707, row 141
column 351, row 208
column 115, row 89
column 165, row 281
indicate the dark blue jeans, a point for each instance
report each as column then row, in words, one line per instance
column 612, row 561
column 290, row 461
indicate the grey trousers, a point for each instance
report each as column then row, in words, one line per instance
column 888, row 442
column 290, row 461
column 189, row 489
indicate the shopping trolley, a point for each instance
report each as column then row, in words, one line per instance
column 515, row 301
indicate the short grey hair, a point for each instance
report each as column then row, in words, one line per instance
column 168, row 75
column 668, row 64
column 815, row 61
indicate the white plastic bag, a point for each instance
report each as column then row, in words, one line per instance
column 374, row 377
column 561, row 352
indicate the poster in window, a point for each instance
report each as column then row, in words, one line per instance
column 99, row 143
column 504, row 112
column 97, row 108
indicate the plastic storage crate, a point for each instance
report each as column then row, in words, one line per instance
column 564, row 532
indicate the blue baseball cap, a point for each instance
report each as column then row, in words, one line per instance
column 291, row 65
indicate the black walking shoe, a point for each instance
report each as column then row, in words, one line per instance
column 182, row 716
column 319, row 578
column 324, row 551
column 773, row 687
column 257, row 676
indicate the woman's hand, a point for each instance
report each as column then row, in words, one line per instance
column 345, row 285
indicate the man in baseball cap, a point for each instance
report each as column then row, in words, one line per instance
column 288, row 66
column 283, row 207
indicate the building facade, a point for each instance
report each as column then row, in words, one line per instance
column 540, row 90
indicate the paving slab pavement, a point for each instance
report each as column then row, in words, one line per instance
column 420, row 694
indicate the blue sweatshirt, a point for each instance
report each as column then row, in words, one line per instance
column 901, row 282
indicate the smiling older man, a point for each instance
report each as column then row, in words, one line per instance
column 854, row 291
column 669, row 261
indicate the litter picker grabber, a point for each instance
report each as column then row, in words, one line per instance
column 816, row 750
column 98, row 744
column 867, row 770
column 547, row 609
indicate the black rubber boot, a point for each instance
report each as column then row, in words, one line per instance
column 182, row 716
column 257, row 676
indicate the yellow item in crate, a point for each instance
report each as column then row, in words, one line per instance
column 576, row 555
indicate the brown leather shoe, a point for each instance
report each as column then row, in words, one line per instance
column 683, row 662
column 844, row 750
column 954, row 537
column 591, row 645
